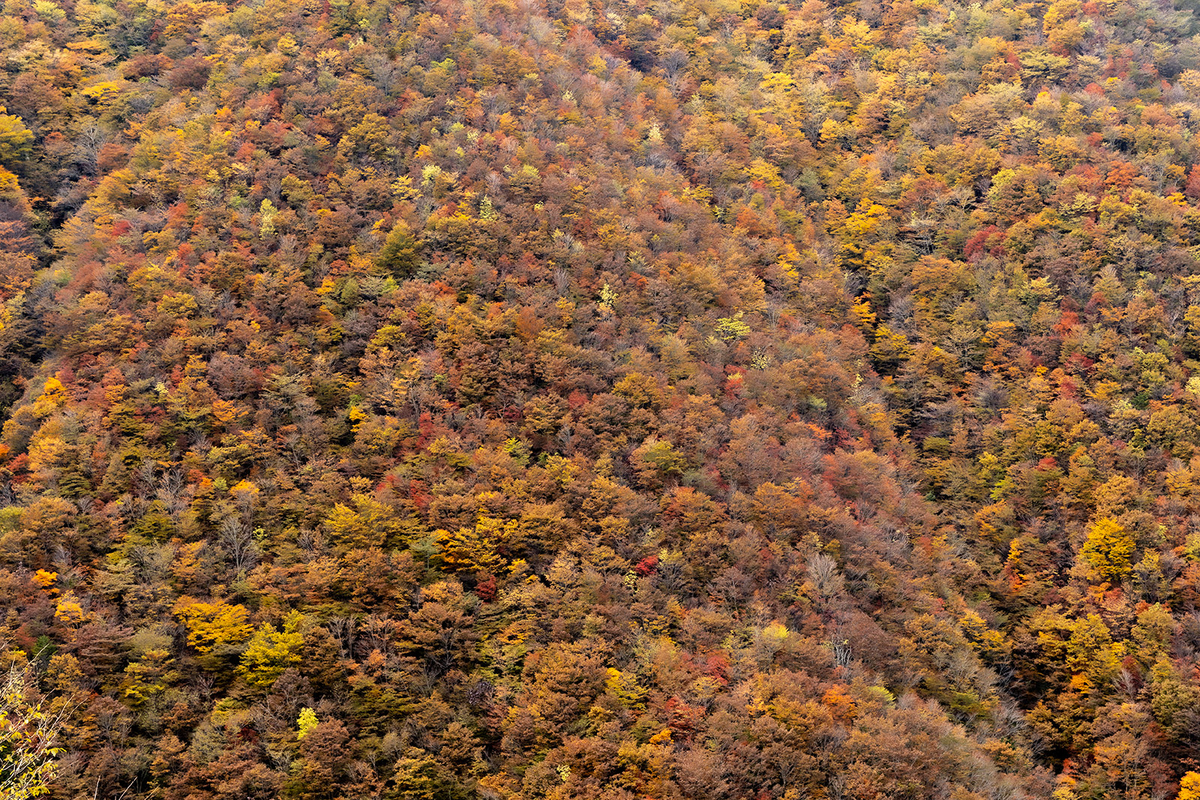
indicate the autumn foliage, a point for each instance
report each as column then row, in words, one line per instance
column 602, row 399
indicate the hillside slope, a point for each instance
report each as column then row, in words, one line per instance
column 603, row 400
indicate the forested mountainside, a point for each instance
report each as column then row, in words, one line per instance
column 602, row 399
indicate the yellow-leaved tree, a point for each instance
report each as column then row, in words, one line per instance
column 16, row 141
column 271, row 651
column 28, row 732
column 369, row 524
column 476, row 549
column 1189, row 787
column 214, row 629
column 1109, row 550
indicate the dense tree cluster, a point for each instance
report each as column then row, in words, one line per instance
column 601, row 398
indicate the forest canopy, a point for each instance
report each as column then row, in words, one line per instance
column 600, row 399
